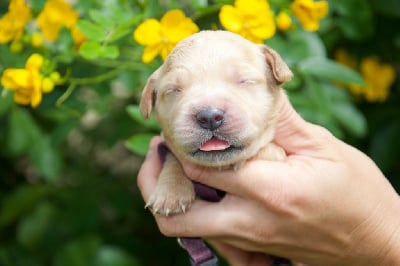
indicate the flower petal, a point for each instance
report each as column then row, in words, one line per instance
column 148, row 33
column 309, row 13
column 36, row 97
column 22, row 97
column 172, row 18
column 166, row 49
column 264, row 27
column 55, row 15
column 252, row 7
column 150, row 52
column 15, row 78
column 35, row 61
column 230, row 18
column 176, row 26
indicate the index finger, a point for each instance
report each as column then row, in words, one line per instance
column 150, row 169
column 254, row 180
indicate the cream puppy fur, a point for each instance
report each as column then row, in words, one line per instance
column 216, row 98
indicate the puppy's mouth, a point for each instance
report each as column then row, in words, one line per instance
column 216, row 151
column 214, row 144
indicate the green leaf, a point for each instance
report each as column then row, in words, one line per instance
column 22, row 131
column 112, row 256
column 79, row 252
column 110, row 52
column 46, row 158
column 65, row 46
column 325, row 68
column 6, row 101
column 32, row 228
column 353, row 16
column 350, row 118
column 120, row 13
column 101, row 19
column 317, row 95
column 91, row 31
column 20, row 201
column 90, row 50
column 297, row 46
column 139, row 144
column 117, row 33
column 134, row 112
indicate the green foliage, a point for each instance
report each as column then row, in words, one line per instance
column 68, row 192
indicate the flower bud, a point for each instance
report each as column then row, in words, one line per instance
column 47, row 85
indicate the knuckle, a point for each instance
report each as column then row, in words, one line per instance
column 321, row 133
column 280, row 199
column 169, row 226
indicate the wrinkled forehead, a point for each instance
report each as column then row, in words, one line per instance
column 213, row 50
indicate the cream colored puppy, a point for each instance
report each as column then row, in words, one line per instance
column 216, row 98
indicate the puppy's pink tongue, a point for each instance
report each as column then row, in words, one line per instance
column 214, row 144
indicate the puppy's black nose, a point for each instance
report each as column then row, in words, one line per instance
column 210, row 118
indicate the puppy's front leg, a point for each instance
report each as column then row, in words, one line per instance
column 271, row 152
column 174, row 192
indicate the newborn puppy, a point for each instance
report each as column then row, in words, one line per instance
column 216, row 98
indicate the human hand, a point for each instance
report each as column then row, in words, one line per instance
column 327, row 204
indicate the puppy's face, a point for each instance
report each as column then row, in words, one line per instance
column 215, row 97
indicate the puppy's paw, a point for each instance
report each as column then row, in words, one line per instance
column 168, row 200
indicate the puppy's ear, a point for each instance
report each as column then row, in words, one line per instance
column 280, row 70
column 148, row 95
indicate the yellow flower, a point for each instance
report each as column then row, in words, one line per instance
column 13, row 22
column 160, row 37
column 36, row 40
column 27, row 82
column 378, row 78
column 283, row 21
column 309, row 13
column 252, row 19
column 55, row 15
column 344, row 58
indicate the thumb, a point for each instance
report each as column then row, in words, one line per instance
column 293, row 133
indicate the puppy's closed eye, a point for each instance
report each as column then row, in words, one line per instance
column 246, row 81
column 172, row 90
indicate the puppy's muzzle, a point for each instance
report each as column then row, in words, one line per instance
column 210, row 118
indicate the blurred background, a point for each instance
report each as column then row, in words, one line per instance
column 72, row 138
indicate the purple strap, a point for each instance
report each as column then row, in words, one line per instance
column 198, row 251
column 200, row 254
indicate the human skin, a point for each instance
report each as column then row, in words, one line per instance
column 327, row 204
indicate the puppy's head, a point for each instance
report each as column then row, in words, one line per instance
column 216, row 96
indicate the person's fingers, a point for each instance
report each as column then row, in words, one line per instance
column 238, row 257
column 150, row 169
column 255, row 179
column 232, row 217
